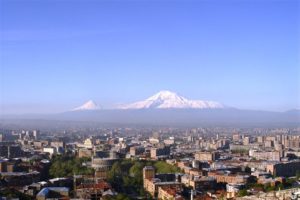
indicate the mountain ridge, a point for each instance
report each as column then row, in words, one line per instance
column 166, row 99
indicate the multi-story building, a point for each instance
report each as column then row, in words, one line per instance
column 265, row 155
column 293, row 143
column 91, row 190
column 10, row 151
column 260, row 139
column 36, row 134
column 153, row 182
column 6, row 166
column 136, row 150
column 236, row 137
column 207, row 156
column 269, row 143
column 240, row 147
column 203, row 183
column 246, row 140
column 15, row 179
column 57, row 144
column 148, row 172
column 161, row 151
column 50, row 150
column 168, row 194
column 285, row 169
column 83, row 152
column 222, row 177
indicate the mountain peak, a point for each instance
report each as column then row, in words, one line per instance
column 167, row 100
column 164, row 94
column 89, row 105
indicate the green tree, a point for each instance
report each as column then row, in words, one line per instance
column 269, row 187
column 298, row 174
column 243, row 192
column 126, row 176
column 63, row 166
column 280, row 186
column 163, row 167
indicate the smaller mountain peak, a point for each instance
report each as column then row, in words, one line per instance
column 90, row 102
column 89, row 105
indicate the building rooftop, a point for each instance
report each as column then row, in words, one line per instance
column 101, row 185
column 45, row 191
column 167, row 183
column 19, row 173
column 57, row 179
column 170, row 191
column 148, row 167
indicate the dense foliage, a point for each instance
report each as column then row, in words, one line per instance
column 127, row 175
column 62, row 166
column 242, row 193
column 163, row 167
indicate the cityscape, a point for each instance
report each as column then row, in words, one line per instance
column 149, row 100
column 151, row 163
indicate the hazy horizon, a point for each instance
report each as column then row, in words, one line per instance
column 56, row 55
column 119, row 107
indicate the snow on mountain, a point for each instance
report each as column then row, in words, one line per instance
column 89, row 105
column 166, row 100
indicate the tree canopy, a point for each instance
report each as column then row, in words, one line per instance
column 127, row 175
column 62, row 166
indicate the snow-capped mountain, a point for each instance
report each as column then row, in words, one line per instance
column 166, row 108
column 89, row 105
column 167, row 100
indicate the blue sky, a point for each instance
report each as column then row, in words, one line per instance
column 55, row 55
